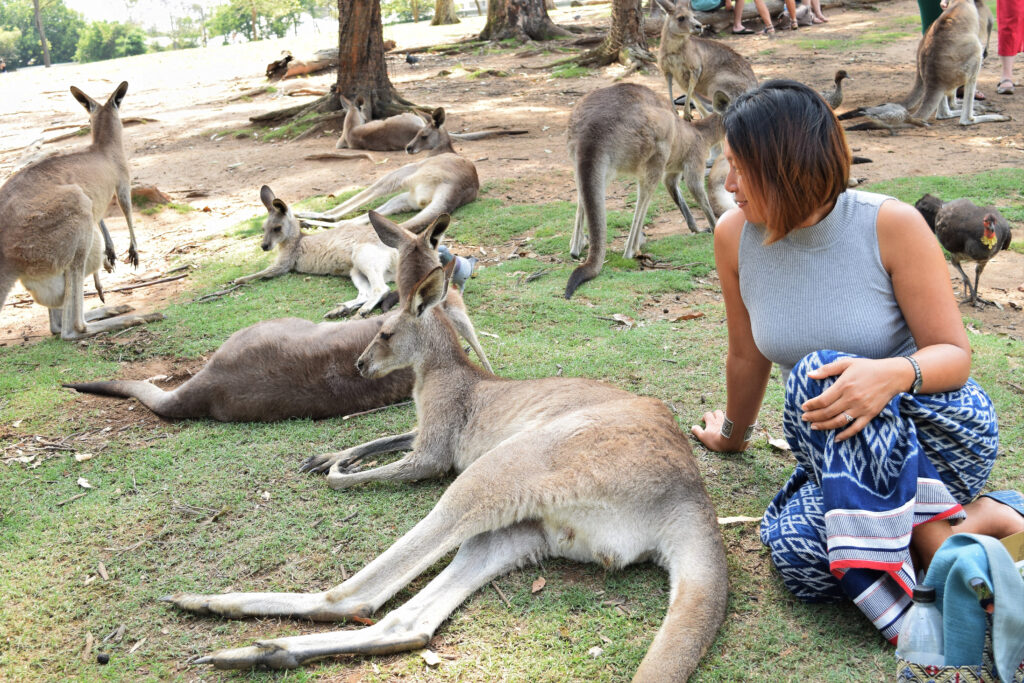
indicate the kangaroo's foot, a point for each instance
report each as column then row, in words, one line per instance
column 320, row 464
column 117, row 323
column 104, row 312
column 342, row 311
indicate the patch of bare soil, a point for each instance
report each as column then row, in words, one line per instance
column 189, row 153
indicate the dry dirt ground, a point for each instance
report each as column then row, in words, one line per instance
column 189, row 95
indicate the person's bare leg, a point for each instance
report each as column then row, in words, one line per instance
column 985, row 516
column 817, row 16
column 762, row 11
column 791, row 8
column 737, row 16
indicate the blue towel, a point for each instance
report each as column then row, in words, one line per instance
column 960, row 559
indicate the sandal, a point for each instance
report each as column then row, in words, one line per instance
column 767, row 31
column 794, row 26
column 742, row 32
column 1005, row 87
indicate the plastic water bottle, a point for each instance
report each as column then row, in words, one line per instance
column 920, row 640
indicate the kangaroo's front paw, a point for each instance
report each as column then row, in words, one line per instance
column 133, row 257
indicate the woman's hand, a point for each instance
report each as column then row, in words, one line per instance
column 863, row 388
column 711, row 434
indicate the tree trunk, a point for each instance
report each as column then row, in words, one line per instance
column 42, row 33
column 254, row 33
column 479, row 10
column 520, row 19
column 444, row 13
column 549, row 4
column 626, row 41
column 415, row 10
column 361, row 66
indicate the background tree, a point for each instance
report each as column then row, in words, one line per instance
column 9, row 39
column 520, row 19
column 62, row 26
column 109, row 40
column 361, row 66
column 444, row 13
column 625, row 41
column 41, row 31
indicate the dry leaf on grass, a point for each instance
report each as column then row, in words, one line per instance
column 779, row 444
column 365, row 621
column 725, row 521
column 82, row 457
column 687, row 315
column 84, row 483
column 430, row 657
column 538, row 585
column 87, row 650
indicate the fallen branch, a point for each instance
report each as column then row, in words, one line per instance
column 501, row 595
column 72, row 498
column 147, row 283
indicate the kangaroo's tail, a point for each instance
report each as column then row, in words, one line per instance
column 591, row 169
column 163, row 403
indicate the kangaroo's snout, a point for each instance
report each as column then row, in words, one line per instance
column 361, row 366
column 265, row 247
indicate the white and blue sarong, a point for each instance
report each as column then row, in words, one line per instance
column 840, row 527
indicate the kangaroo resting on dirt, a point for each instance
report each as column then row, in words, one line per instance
column 439, row 184
column 361, row 131
column 949, row 56
column 554, row 467
column 288, row 367
column 52, row 235
column 701, row 66
column 627, row 128
column 350, row 250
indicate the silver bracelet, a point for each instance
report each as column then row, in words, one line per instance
column 727, row 426
column 916, row 386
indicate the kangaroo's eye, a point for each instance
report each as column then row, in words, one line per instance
column 385, row 335
column 277, row 229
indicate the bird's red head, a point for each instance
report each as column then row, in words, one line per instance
column 988, row 237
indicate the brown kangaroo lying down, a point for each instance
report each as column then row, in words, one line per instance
column 288, row 367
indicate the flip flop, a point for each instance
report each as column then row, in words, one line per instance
column 1012, row 498
column 745, row 32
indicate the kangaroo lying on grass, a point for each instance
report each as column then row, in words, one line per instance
column 628, row 129
column 439, row 184
column 288, row 367
column 361, row 131
column 346, row 250
column 52, row 235
column 702, row 66
column 554, row 467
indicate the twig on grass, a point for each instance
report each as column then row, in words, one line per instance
column 72, row 498
column 375, row 410
column 141, row 543
column 215, row 295
column 501, row 595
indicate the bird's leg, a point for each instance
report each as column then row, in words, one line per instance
column 969, row 293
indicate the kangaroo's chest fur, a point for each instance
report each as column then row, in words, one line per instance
column 332, row 252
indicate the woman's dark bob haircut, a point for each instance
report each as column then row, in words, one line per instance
column 791, row 150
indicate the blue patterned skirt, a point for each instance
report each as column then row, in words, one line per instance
column 840, row 527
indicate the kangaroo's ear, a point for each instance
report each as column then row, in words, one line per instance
column 89, row 103
column 279, row 205
column 438, row 116
column 667, row 6
column 432, row 235
column 360, row 101
column 267, row 197
column 428, row 292
column 118, row 95
column 720, row 102
column 389, row 232
column 345, row 101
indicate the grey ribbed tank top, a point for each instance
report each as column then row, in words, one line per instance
column 823, row 287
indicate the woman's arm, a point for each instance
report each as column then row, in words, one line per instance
column 920, row 280
column 746, row 370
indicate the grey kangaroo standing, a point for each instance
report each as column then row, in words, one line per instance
column 949, row 56
column 50, row 236
column 348, row 250
column 437, row 185
column 628, row 129
column 288, row 367
column 701, row 66
column 553, row 467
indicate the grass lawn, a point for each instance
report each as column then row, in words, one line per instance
column 209, row 507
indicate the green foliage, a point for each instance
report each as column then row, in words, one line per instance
column 109, row 40
column 254, row 18
column 9, row 40
column 399, row 11
column 61, row 25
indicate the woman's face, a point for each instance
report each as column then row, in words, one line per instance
column 734, row 182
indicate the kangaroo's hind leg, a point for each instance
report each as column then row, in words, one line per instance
column 674, row 191
column 644, row 193
column 410, row 626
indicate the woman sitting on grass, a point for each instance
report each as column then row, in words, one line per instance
column 849, row 293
